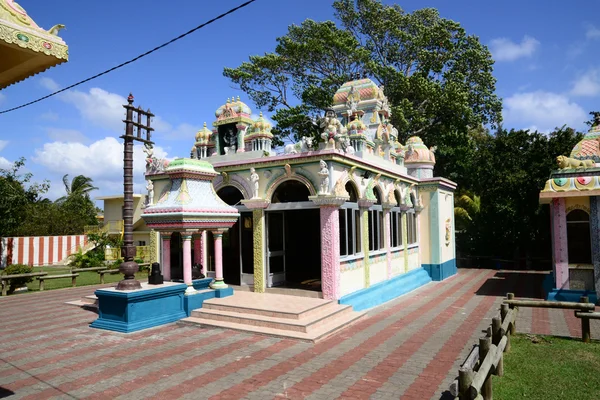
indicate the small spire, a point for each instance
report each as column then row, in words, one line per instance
column 228, row 100
column 205, row 124
column 238, row 98
column 260, row 115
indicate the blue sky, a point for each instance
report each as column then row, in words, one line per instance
column 545, row 52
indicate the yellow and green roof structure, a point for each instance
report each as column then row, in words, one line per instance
column 25, row 48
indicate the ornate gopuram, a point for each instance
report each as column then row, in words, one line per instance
column 351, row 216
column 25, row 48
column 573, row 193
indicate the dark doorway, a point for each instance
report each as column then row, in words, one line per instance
column 232, row 238
column 579, row 243
column 303, row 249
column 176, row 257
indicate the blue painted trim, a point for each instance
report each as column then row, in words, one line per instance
column 571, row 295
column 141, row 309
column 196, row 300
column 201, row 284
column 439, row 272
column 386, row 290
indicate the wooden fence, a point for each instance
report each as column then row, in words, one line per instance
column 474, row 380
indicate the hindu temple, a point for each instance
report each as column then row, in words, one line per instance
column 354, row 216
column 573, row 192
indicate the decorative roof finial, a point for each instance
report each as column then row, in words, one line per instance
column 205, row 124
column 228, row 100
column 130, row 98
column 260, row 115
column 238, row 98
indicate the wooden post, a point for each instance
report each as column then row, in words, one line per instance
column 74, row 280
column 513, row 326
column 503, row 310
column 4, row 287
column 585, row 323
column 41, row 284
column 486, row 388
column 496, row 330
column 465, row 378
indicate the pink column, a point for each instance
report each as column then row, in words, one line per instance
column 166, row 255
column 330, row 252
column 388, row 240
column 218, row 282
column 187, row 260
column 559, row 248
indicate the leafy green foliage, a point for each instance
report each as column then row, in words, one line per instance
column 90, row 259
column 17, row 269
column 437, row 78
column 17, row 193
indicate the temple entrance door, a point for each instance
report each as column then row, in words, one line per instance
column 176, row 257
column 276, row 249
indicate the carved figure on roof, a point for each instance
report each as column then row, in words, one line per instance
column 153, row 164
column 55, row 29
column 150, row 189
column 333, row 130
column 254, row 179
column 324, row 174
column 573, row 163
column 352, row 100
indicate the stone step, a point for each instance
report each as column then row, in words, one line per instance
column 90, row 301
column 319, row 333
column 270, row 305
column 306, row 324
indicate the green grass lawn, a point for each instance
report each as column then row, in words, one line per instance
column 553, row 368
column 84, row 278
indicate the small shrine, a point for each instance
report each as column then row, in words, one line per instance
column 26, row 48
column 573, row 193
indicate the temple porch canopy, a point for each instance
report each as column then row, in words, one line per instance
column 188, row 204
column 25, row 48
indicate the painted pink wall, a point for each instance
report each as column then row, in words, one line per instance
column 330, row 252
column 559, row 236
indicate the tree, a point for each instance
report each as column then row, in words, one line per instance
column 16, row 194
column 437, row 78
column 79, row 186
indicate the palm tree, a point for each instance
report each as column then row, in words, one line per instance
column 466, row 207
column 80, row 186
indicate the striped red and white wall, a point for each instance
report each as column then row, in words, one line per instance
column 39, row 250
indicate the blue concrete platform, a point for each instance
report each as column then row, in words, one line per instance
column 133, row 310
column 387, row 290
column 439, row 272
column 555, row 294
column 193, row 301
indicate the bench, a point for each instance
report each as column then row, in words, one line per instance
column 6, row 278
column 74, row 270
column 107, row 271
column 43, row 278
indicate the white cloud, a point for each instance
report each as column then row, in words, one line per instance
column 3, row 144
column 49, row 84
column 4, row 163
column 2, row 98
column 504, row 49
column 591, row 32
column 587, row 84
column 66, row 135
column 98, row 106
column 102, row 161
column 542, row 110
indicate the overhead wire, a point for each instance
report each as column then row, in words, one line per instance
column 133, row 59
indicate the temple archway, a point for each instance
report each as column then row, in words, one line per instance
column 290, row 191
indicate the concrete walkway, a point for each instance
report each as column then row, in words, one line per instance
column 409, row 348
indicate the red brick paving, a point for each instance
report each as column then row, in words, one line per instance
column 51, row 328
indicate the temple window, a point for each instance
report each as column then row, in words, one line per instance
column 396, row 223
column 579, row 243
column 375, row 213
column 411, row 227
column 350, row 224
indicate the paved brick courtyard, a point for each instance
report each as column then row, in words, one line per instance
column 409, row 348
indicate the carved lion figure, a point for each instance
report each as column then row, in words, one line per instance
column 572, row 163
